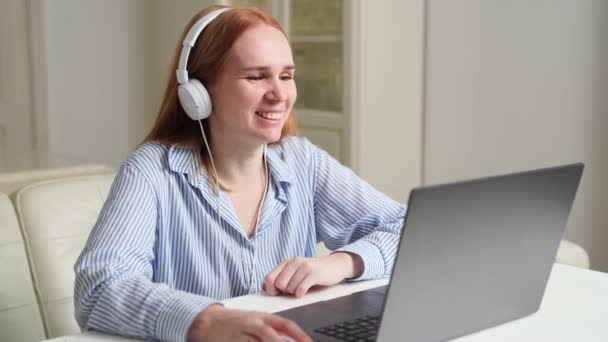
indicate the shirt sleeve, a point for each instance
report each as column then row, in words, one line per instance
column 352, row 216
column 113, row 289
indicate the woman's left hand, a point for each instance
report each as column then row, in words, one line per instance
column 296, row 276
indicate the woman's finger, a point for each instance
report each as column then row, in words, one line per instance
column 287, row 273
column 286, row 327
column 303, row 271
column 304, row 286
column 251, row 338
column 270, row 278
column 265, row 333
column 257, row 328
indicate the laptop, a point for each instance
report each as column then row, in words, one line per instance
column 472, row 255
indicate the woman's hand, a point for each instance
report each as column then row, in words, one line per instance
column 217, row 323
column 296, row 276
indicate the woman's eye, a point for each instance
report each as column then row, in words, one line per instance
column 255, row 78
column 286, row 77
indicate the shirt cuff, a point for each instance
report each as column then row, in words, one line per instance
column 178, row 313
column 373, row 262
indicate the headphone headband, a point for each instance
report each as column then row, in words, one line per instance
column 190, row 39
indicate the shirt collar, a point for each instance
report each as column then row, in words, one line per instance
column 277, row 165
column 187, row 160
column 183, row 160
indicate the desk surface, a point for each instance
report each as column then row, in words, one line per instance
column 574, row 308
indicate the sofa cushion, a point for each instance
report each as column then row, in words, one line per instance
column 572, row 254
column 56, row 217
column 20, row 318
column 12, row 181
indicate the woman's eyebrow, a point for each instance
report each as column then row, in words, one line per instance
column 264, row 68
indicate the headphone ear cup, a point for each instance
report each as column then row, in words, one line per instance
column 195, row 99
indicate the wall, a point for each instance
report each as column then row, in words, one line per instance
column 106, row 67
column 513, row 85
column 388, row 133
column 97, row 77
column 16, row 118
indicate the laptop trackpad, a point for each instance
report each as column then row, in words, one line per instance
column 347, row 308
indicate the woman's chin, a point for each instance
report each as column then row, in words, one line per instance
column 271, row 140
column 270, row 137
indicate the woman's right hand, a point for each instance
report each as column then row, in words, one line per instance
column 217, row 323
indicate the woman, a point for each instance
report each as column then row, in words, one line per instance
column 228, row 204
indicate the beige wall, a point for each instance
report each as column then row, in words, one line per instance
column 389, row 95
column 513, row 85
column 97, row 77
column 107, row 63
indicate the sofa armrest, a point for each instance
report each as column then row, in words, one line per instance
column 56, row 217
column 20, row 318
column 572, row 254
column 12, row 181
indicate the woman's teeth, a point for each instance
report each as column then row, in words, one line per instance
column 269, row 116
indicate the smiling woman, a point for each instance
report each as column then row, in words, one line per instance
column 221, row 200
column 207, row 59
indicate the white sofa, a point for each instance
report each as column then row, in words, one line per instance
column 20, row 318
column 13, row 181
column 42, row 231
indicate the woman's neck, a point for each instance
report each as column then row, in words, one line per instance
column 237, row 165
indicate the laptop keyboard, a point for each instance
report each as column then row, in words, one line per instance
column 361, row 329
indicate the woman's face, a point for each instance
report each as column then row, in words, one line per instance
column 255, row 92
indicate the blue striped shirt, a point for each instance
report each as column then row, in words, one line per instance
column 159, row 253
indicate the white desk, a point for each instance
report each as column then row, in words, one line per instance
column 574, row 308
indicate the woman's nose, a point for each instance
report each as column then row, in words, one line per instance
column 276, row 92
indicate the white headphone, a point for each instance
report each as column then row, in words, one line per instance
column 192, row 94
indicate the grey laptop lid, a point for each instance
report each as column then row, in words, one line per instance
column 476, row 253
